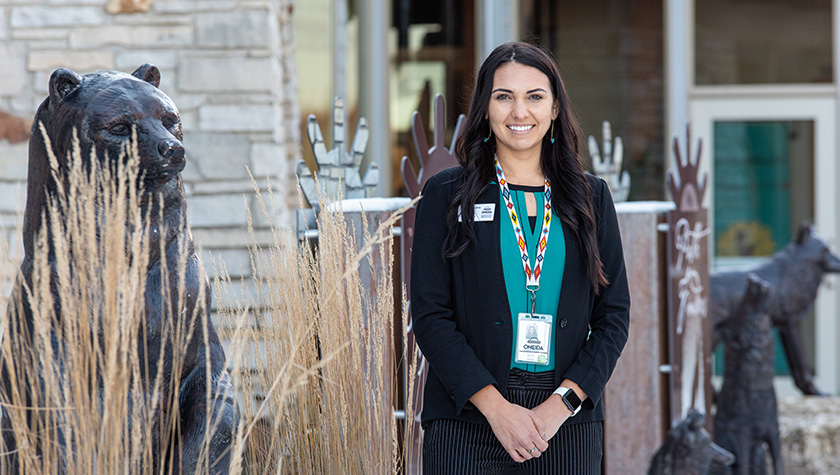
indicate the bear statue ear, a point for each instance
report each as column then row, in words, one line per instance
column 62, row 83
column 149, row 73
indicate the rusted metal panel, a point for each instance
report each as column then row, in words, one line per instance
column 688, row 289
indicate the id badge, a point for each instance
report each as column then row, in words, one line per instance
column 533, row 338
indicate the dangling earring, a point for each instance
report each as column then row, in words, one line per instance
column 488, row 135
column 552, row 131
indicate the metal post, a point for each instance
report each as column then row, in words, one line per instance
column 374, row 95
column 679, row 65
column 339, row 56
column 498, row 23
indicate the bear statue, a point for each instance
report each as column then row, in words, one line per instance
column 101, row 112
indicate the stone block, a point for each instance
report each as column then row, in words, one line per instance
column 267, row 160
column 41, row 16
column 217, row 211
column 239, row 118
column 189, row 102
column 56, row 44
column 75, row 2
column 230, row 238
column 190, row 174
column 12, row 196
column 24, row 105
column 167, row 79
column 191, row 7
column 240, row 292
column 229, row 322
column 13, row 75
column 41, row 83
column 189, row 120
column 80, row 61
column 14, row 160
column 237, row 262
column 809, row 430
column 209, row 74
column 133, row 36
column 276, row 211
column 130, row 60
column 237, row 29
column 4, row 29
column 40, row 33
column 218, row 156
column 241, row 187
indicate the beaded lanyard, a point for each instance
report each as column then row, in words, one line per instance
column 532, row 278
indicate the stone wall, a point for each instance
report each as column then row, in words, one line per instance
column 228, row 66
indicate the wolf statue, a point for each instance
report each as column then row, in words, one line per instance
column 746, row 419
column 794, row 275
column 104, row 109
column 688, row 449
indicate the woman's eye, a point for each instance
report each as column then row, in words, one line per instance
column 536, row 97
column 119, row 129
column 502, row 97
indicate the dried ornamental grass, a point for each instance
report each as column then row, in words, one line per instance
column 320, row 350
column 319, row 347
column 78, row 397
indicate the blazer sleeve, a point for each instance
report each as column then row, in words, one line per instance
column 610, row 318
column 434, row 320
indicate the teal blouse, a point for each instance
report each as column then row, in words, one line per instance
column 548, row 297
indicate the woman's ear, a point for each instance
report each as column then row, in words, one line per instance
column 555, row 111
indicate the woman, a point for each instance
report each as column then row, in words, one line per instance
column 495, row 401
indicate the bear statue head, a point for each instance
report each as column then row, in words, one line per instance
column 104, row 109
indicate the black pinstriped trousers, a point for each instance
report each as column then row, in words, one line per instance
column 456, row 447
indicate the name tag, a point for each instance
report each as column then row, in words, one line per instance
column 483, row 212
column 533, row 338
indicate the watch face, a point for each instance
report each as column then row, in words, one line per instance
column 572, row 399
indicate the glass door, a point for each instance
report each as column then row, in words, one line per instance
column 772, row 165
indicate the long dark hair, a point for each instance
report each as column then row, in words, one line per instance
column 560, row 161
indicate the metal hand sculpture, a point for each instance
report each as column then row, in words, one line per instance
column 337, row 167
column 688, row 193
column 432, row 160
column 607, row 165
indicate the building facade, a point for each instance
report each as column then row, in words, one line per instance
column 757, row 80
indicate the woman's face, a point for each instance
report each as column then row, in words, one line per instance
column 521, row 110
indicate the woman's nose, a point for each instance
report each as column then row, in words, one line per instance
column 519, row 109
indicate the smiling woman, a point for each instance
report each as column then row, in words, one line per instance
column 522, row 325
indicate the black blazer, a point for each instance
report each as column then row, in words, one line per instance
column 461, row 317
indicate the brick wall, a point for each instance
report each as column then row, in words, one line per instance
column 227, row 65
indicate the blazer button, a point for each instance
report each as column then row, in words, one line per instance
column 563, row 323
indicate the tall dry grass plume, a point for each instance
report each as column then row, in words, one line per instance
column 321, row 354
column 79, row 396
column 314, row 342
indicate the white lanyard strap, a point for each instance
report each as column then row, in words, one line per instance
column 532, row 277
